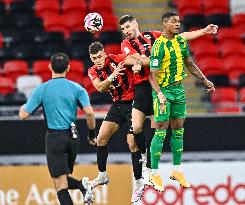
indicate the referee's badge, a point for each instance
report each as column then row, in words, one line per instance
column 155, row 62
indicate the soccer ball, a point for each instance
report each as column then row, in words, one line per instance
column 93, row 22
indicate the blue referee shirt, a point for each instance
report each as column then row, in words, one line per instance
column 59, row 98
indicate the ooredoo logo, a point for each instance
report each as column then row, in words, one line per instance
column 203, row 194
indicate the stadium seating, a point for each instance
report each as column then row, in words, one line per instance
column 76, row 71
column 232, row 49
column 6, row 85
column 73, row 21
column 1, row 40
column 193, row 7
column 237, row 7
column 74, row 6
column 26, row 83
column 232, row 109
column 46, row 5
column 15, row 68
column 234, row 66
column 211, row 66
column 224, row 95
column 40, row 67
column 242, row 95
column 241, row 80
column 229, row 34
column 16, row 98
column 100, row 6
column 81, row 37
column 209, row 50
column 216, row 7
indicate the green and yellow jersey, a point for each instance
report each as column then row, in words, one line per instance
column 168, row 57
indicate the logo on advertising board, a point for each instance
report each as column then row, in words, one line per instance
column 213, row 183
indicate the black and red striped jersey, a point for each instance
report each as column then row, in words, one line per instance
column 123, row 84
column 142, row 45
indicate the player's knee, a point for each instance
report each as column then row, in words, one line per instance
column 137, row 128
column 102, row 141
column 132, row 146
column 60, row 183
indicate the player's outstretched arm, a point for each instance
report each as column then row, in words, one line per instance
column 104, row 85
column 210, row 29
column 23, row 114
column 194, row 70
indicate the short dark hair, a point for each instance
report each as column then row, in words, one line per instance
column 167, row 15
column 95, row 47
column 59, row 62
column 126, row 18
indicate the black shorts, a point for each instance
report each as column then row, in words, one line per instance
column 120, row 113
column 143, row 100
column 61, row 151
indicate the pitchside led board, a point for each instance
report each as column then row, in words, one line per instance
column 213, row 183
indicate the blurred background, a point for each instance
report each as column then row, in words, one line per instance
column 214, row 160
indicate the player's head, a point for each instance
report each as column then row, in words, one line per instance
column 59, row 63
column 97, row 54
column 171, row 22
column 129, row 26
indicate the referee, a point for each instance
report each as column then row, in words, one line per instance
column 59, row 98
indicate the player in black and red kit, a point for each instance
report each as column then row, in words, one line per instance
column 138, row 44
column 110, row 74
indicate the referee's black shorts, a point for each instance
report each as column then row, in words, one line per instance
column 143, row 100
column 120, row 113
column 61, row 151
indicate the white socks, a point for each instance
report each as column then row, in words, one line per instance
column 155, row 172
column 177, row 168
column 102, row 174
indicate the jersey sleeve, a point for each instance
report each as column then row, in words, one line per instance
column 35, row 100
column 127, row 49
column 186, row 52
column 92, row 74
column 118, row 58
column 83, row 97
column 157, row 54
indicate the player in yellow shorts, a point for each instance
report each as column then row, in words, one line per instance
column 169, row 57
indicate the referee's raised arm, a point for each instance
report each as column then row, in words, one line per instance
column 60, row 99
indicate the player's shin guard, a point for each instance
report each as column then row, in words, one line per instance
column 137, row 165
column 148, row 146
column 156, row 147
column 140, row 141
column 176, row 144
column 102, row 155
column 64, row 197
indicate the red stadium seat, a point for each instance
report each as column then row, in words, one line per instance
column 209, row 50
column 113, row 48
column 40, row 68
column 216, row 7
column 238, row 19
column 192, row 7
column 232, row 49
column 207, row 39
column 100, row 6
column 235, row 66
column 211, row 66
column 232, row 109
column 229, row 34
column 56, row 23
column 242, row 95
column 6, row 85
column 76, row 71
column 15, row 68
column 110, row 22
column 46, row 5
column 224, row 95
column 73, row 21
column 70, row 7
column 1, row 41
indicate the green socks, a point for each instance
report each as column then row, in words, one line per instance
column 156, row 147
column 176, row 144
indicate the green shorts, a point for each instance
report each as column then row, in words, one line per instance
column 175, row 107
